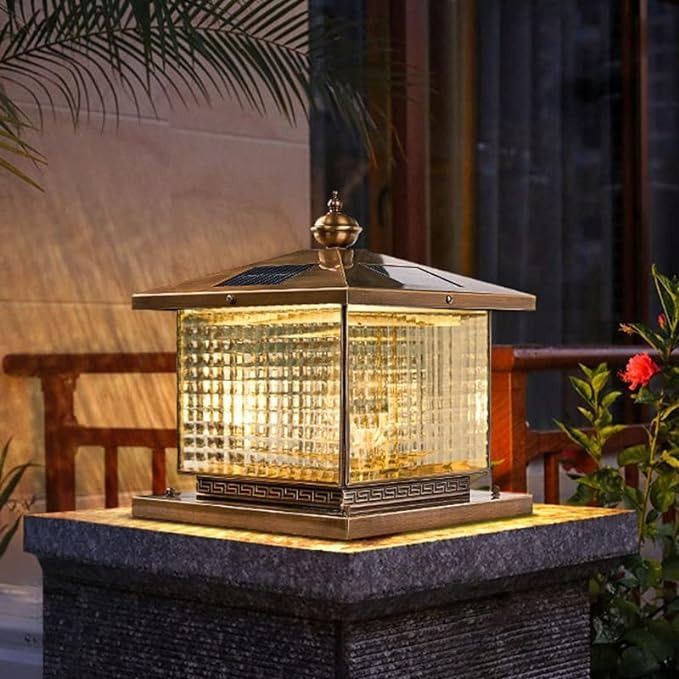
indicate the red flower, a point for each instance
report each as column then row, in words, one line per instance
column 639, row 370
column 662, row 321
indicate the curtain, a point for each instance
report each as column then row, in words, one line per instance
column 663, row 129
column 548, row 187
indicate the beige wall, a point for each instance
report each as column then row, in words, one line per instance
column 149, row 203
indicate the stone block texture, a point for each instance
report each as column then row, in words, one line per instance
column 124, row 597
column 93, row 630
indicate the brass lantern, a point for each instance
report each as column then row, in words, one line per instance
column 334, row 393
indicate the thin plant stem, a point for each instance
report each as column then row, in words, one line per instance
column 652, row 445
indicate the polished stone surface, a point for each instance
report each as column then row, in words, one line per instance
column 554, row 537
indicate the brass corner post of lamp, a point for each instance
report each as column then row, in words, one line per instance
column 334, row 393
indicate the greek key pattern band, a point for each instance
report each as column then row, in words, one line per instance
column 426, row 491
column 272, row 493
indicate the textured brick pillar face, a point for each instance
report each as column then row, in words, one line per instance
column 542, row 633
column 92, row 631
column 95, row 631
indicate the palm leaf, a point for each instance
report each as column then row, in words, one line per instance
column 262, row 53
column 7, row 533
column 12, row 145
column 8, row 484
column 3, row 455
column 11, row 480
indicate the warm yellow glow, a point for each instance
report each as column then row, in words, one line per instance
column 418, row 392
column 260, row 392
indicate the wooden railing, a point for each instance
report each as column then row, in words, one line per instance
column 58, row 375
column 514, row 444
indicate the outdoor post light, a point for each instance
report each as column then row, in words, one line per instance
column 334, row 393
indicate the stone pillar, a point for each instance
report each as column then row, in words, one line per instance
column 126, row 597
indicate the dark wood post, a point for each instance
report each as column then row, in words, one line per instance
column 158, row 478
column 508, row 430
column 551, row 484
column 58, row 391
column 111, row 476
column 409, row 22
column 635, row 190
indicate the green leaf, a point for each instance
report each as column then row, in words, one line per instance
column 590, row 481
column 14, row 170
column 582, row 496
column 645, row 397
column 9, row 483
column 627, row 610
column 612, row 430
column 633, row 455
column 652, row 573
column 608, row 482
column 582, row 388
column 651, row 643
column 599, row 381
column 640, row 575
column 3, row 455
column 587, row 372
column 581, row 439
column 6, row 535
column 629, row 581
column 665, row 530
column 610, row 398
column 670, row 460
column 669, row 410
column 650, row 336
column 667, row 294
column 670, row 568
column 662, row 491
column 662, row 629
column 633, row 497
column 637, row 661
column 604, row 658
column 587, row 414
column 594, row 587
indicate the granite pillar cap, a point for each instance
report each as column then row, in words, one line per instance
column 554, row 537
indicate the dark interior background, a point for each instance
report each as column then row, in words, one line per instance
column 556, row 205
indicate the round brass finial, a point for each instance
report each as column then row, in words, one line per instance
column 336, row 229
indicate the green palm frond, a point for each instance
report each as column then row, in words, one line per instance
column 13, row 123
column 8, row 484
column 262, row 53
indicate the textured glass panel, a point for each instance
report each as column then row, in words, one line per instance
column 259, row 392
column 418, row 392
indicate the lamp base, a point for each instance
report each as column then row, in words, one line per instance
column 188, row 509
column 318, row 498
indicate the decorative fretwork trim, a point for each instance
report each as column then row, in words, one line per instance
column 407, row 490
column 251, row 490
column 359, row 498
